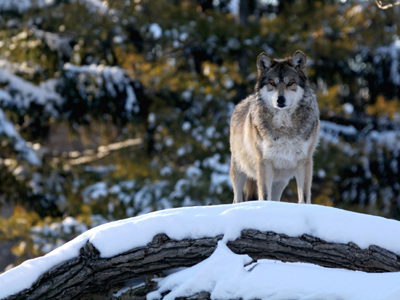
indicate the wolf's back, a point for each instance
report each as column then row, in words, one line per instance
column 240, row 112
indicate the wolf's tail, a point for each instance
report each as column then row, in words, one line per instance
column 250, row 190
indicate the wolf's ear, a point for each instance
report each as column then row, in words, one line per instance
column 299, row 60
column 264, row 62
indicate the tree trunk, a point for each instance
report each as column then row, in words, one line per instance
column 246, row 9
column 89, row 275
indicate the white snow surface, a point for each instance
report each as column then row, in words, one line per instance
column 327, row 223
column 225, row 276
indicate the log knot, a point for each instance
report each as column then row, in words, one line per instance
column 88, row 251
column 159, row 240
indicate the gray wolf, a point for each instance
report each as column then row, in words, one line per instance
column 274, row 132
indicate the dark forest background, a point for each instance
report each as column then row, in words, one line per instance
column 110, row 109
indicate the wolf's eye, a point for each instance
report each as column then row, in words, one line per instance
column 271, row 82
column 290, row 83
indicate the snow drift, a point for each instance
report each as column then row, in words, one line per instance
column 326, row 223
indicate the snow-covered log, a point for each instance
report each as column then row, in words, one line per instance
column 101, row 260
column 90, row 274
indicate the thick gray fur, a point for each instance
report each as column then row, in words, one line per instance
column 274, row 132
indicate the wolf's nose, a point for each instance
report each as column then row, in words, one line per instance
column 281, row 101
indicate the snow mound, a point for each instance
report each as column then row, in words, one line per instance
column 327, row 223
column 211, row 274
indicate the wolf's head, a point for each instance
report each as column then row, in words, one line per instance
column 281, row 82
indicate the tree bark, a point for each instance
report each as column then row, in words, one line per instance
column 89, row 274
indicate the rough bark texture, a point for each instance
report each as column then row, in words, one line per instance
column 91, row 277
column 314, row 250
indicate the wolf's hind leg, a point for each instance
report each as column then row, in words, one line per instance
column 250, row 190
column 303, row 179
column 304, row 172
column 238, row 179
column 277, row 189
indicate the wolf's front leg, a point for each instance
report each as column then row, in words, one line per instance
column 238, row 179
column 303, row 179
column 265, row 177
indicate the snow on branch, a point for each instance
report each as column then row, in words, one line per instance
column 95, row 85
column 19, row 144
column 19, row 68
column 54, row 42
column 229, row 245
column 21, row 6
column 84, row 89
column 331, row 132
column 15, row 5
column 24, row 94
column 371, row 139
column 392, row 51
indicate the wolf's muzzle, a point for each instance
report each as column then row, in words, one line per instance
column 281, row 101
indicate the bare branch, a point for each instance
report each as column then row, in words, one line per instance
column 382, row 5
column 102, row 151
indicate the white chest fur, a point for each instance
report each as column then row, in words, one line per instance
column 282, row 118
column 285, row 153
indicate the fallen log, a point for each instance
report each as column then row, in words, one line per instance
column 89, row 274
